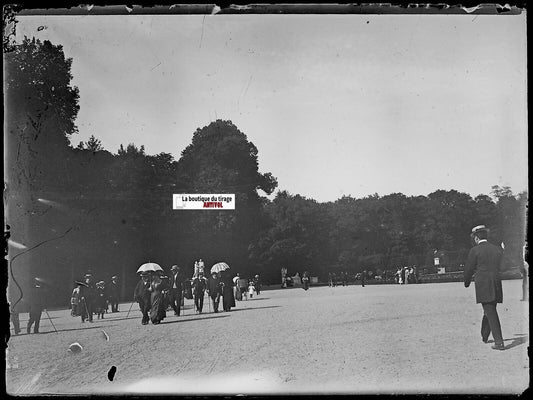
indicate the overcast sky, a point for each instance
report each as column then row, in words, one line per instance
column 336, row 104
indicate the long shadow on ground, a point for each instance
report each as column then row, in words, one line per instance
column 252, row 308
column 74, row 329
column 193, row 319
column 256, row 298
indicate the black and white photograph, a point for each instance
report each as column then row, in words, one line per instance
column 266, row 200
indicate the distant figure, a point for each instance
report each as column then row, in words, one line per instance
column 36, row 307
column 330, row 279
column 75, row 300
column 407, row 274
column 243, row 288
column 142, row 296
column 228, row 300
column 251, row 288
column 485, row 260
column 257, row 285
column 113, row 293
column 199, row 286
column 79, row 301
column 214, row 289
column 175, row 289
column 236, row 288
column 402, row 276
column 15, row 307
column 90, row 296
column 100, row 303
column 305, row 280
column 524, row 270
column 363, row 277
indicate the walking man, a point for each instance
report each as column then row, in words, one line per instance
column 142, row 296
column 176, row 289
column 90, row 296
column 36, row 307
column 485, row 260
column 199, row 284
column 114, row 294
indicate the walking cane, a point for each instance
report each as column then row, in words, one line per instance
column 48, row 315
column 127, row 315
column 86, row 309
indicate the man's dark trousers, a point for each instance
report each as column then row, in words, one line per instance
column 35, row 317
column 491, row 323
column 175, row 300
column 199, row 300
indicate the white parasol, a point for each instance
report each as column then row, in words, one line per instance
column 150, row 267
column 221, row 266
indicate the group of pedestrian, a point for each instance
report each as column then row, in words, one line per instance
column 335, row 279
column 90, row 297
column 244, row 288
column 406, row 275
column 157, row 293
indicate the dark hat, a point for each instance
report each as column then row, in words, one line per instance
column 174, row 268
column 479, row 228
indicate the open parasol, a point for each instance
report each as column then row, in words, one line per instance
column 221, row 266
column 150, row 267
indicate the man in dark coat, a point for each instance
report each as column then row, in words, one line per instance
column 175, row 291
column 90, row 296
column 113, row 293
column 228, row 300
column 214, row 289
column 485, row 260
column 199, row 285
column 142, row 295
column 36, row 307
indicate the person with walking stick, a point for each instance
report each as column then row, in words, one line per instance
column 175, row 289
column 199, row 285
column 142, row 296
column 90, row 296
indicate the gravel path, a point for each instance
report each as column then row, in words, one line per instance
column 377, row 339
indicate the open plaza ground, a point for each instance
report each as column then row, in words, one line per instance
column 421, row 338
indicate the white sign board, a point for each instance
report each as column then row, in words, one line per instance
column 203, row 201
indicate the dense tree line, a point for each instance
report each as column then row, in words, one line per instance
column 85, row 208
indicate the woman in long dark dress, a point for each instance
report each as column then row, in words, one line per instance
column 228, row 299
column 157, row 312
